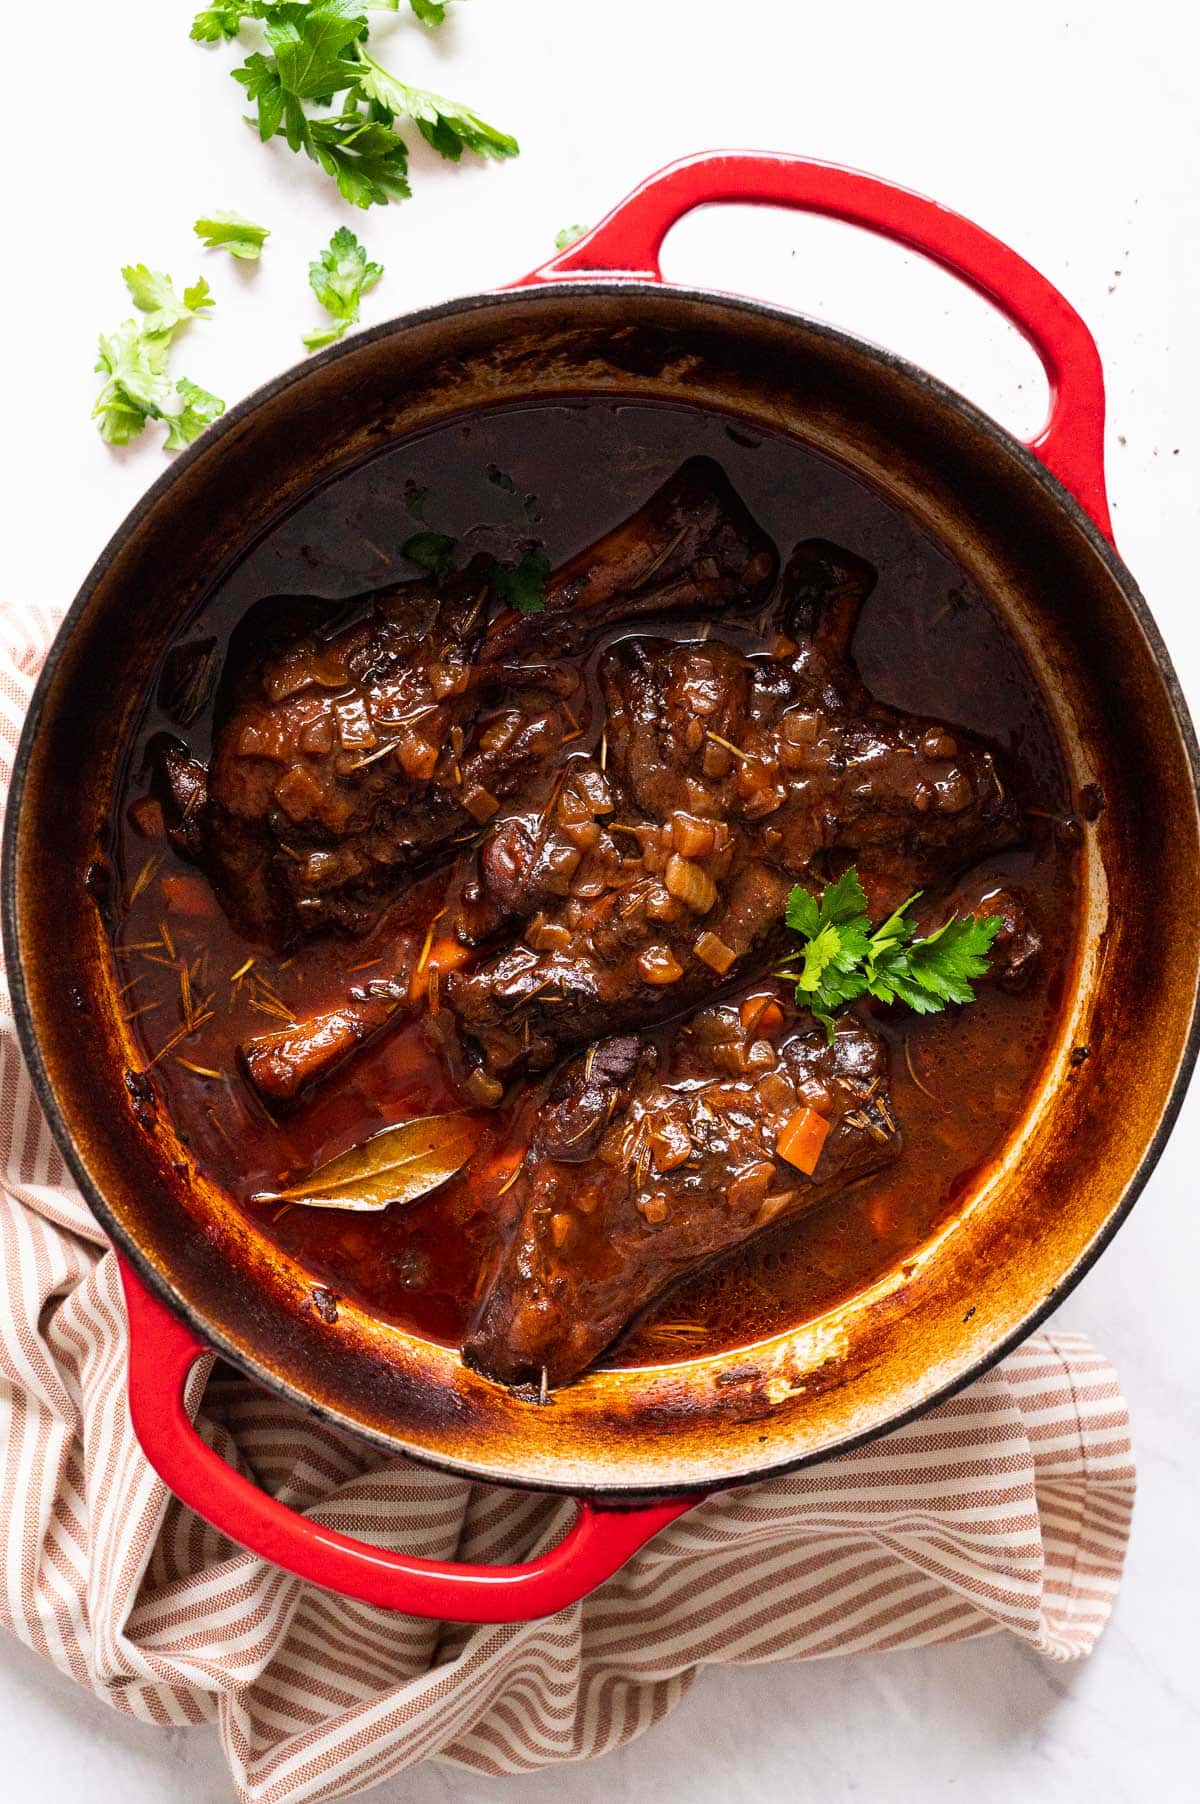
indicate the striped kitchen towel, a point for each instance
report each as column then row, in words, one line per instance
column 1006, row 1507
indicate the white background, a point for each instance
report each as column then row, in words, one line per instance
column 1070, row 131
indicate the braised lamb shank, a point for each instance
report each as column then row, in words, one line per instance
column 645, row 1165
column 344, row 760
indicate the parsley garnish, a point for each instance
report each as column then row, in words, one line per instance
column 230, row 232
column 432, row 552
column 564, row 239
column 523, row 585
column 318, row 87
column 340, row 277
column 844, row 958
column 133, row 359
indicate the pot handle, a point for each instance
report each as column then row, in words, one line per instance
column 162, row 1351
column 626, row 244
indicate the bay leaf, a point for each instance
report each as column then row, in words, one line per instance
column 397, row 1165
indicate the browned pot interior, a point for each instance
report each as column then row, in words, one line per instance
column 1070, row 1166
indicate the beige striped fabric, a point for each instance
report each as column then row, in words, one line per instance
column 1007, row 1508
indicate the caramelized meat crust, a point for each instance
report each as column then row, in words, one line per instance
column 641, row 1167
column 346, row 759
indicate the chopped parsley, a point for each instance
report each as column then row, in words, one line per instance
column 230, row 232
column 133, row 360
column 432, row 552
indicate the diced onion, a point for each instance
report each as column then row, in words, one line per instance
column 801, row 726
column 355, row 730
column 748, row 1187
column 714, row 953
column 657, row 964
column 692, row 838
column 547, row 936
column 670, row 1144
column 483, row 1089
column 689, row 884
column 417, row 757
column 479, row 803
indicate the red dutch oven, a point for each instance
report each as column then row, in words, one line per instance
column 1030, row 525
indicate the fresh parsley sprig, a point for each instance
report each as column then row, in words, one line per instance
column 133, row 361
column 316, row 52
column 844, row 958
column 339, row 278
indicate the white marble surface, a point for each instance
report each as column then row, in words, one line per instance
column 1070, row 130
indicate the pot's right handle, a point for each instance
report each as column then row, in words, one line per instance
column 627, row 242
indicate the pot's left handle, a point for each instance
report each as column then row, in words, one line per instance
column 162, row 1351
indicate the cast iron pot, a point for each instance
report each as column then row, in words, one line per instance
column 1030, row 525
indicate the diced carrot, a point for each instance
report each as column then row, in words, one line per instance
column 801, row 1139
column 761, row 1015
column 188, row 896
column 447, row 954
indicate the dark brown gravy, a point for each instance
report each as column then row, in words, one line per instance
column 562, row 474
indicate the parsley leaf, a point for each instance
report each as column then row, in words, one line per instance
column 340, row 277
column 843, row 958
column 564, row 239
column 449, row 127
column 367, row 160
column 523, row 585
column 199, row 409
column 133, row 359
column 217, row 22
column 137, row 386
column 312, row 46
column 230, row 232
column 430, row 12
column 260, row 78
column 155, row 296
column 928, row 973
column 429, row 551
column 841, row 902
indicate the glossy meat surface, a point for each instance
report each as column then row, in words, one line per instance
column 615, row 934
column 645, row 1164
column 793, row 750
column 346, row 759
column 728, row 778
